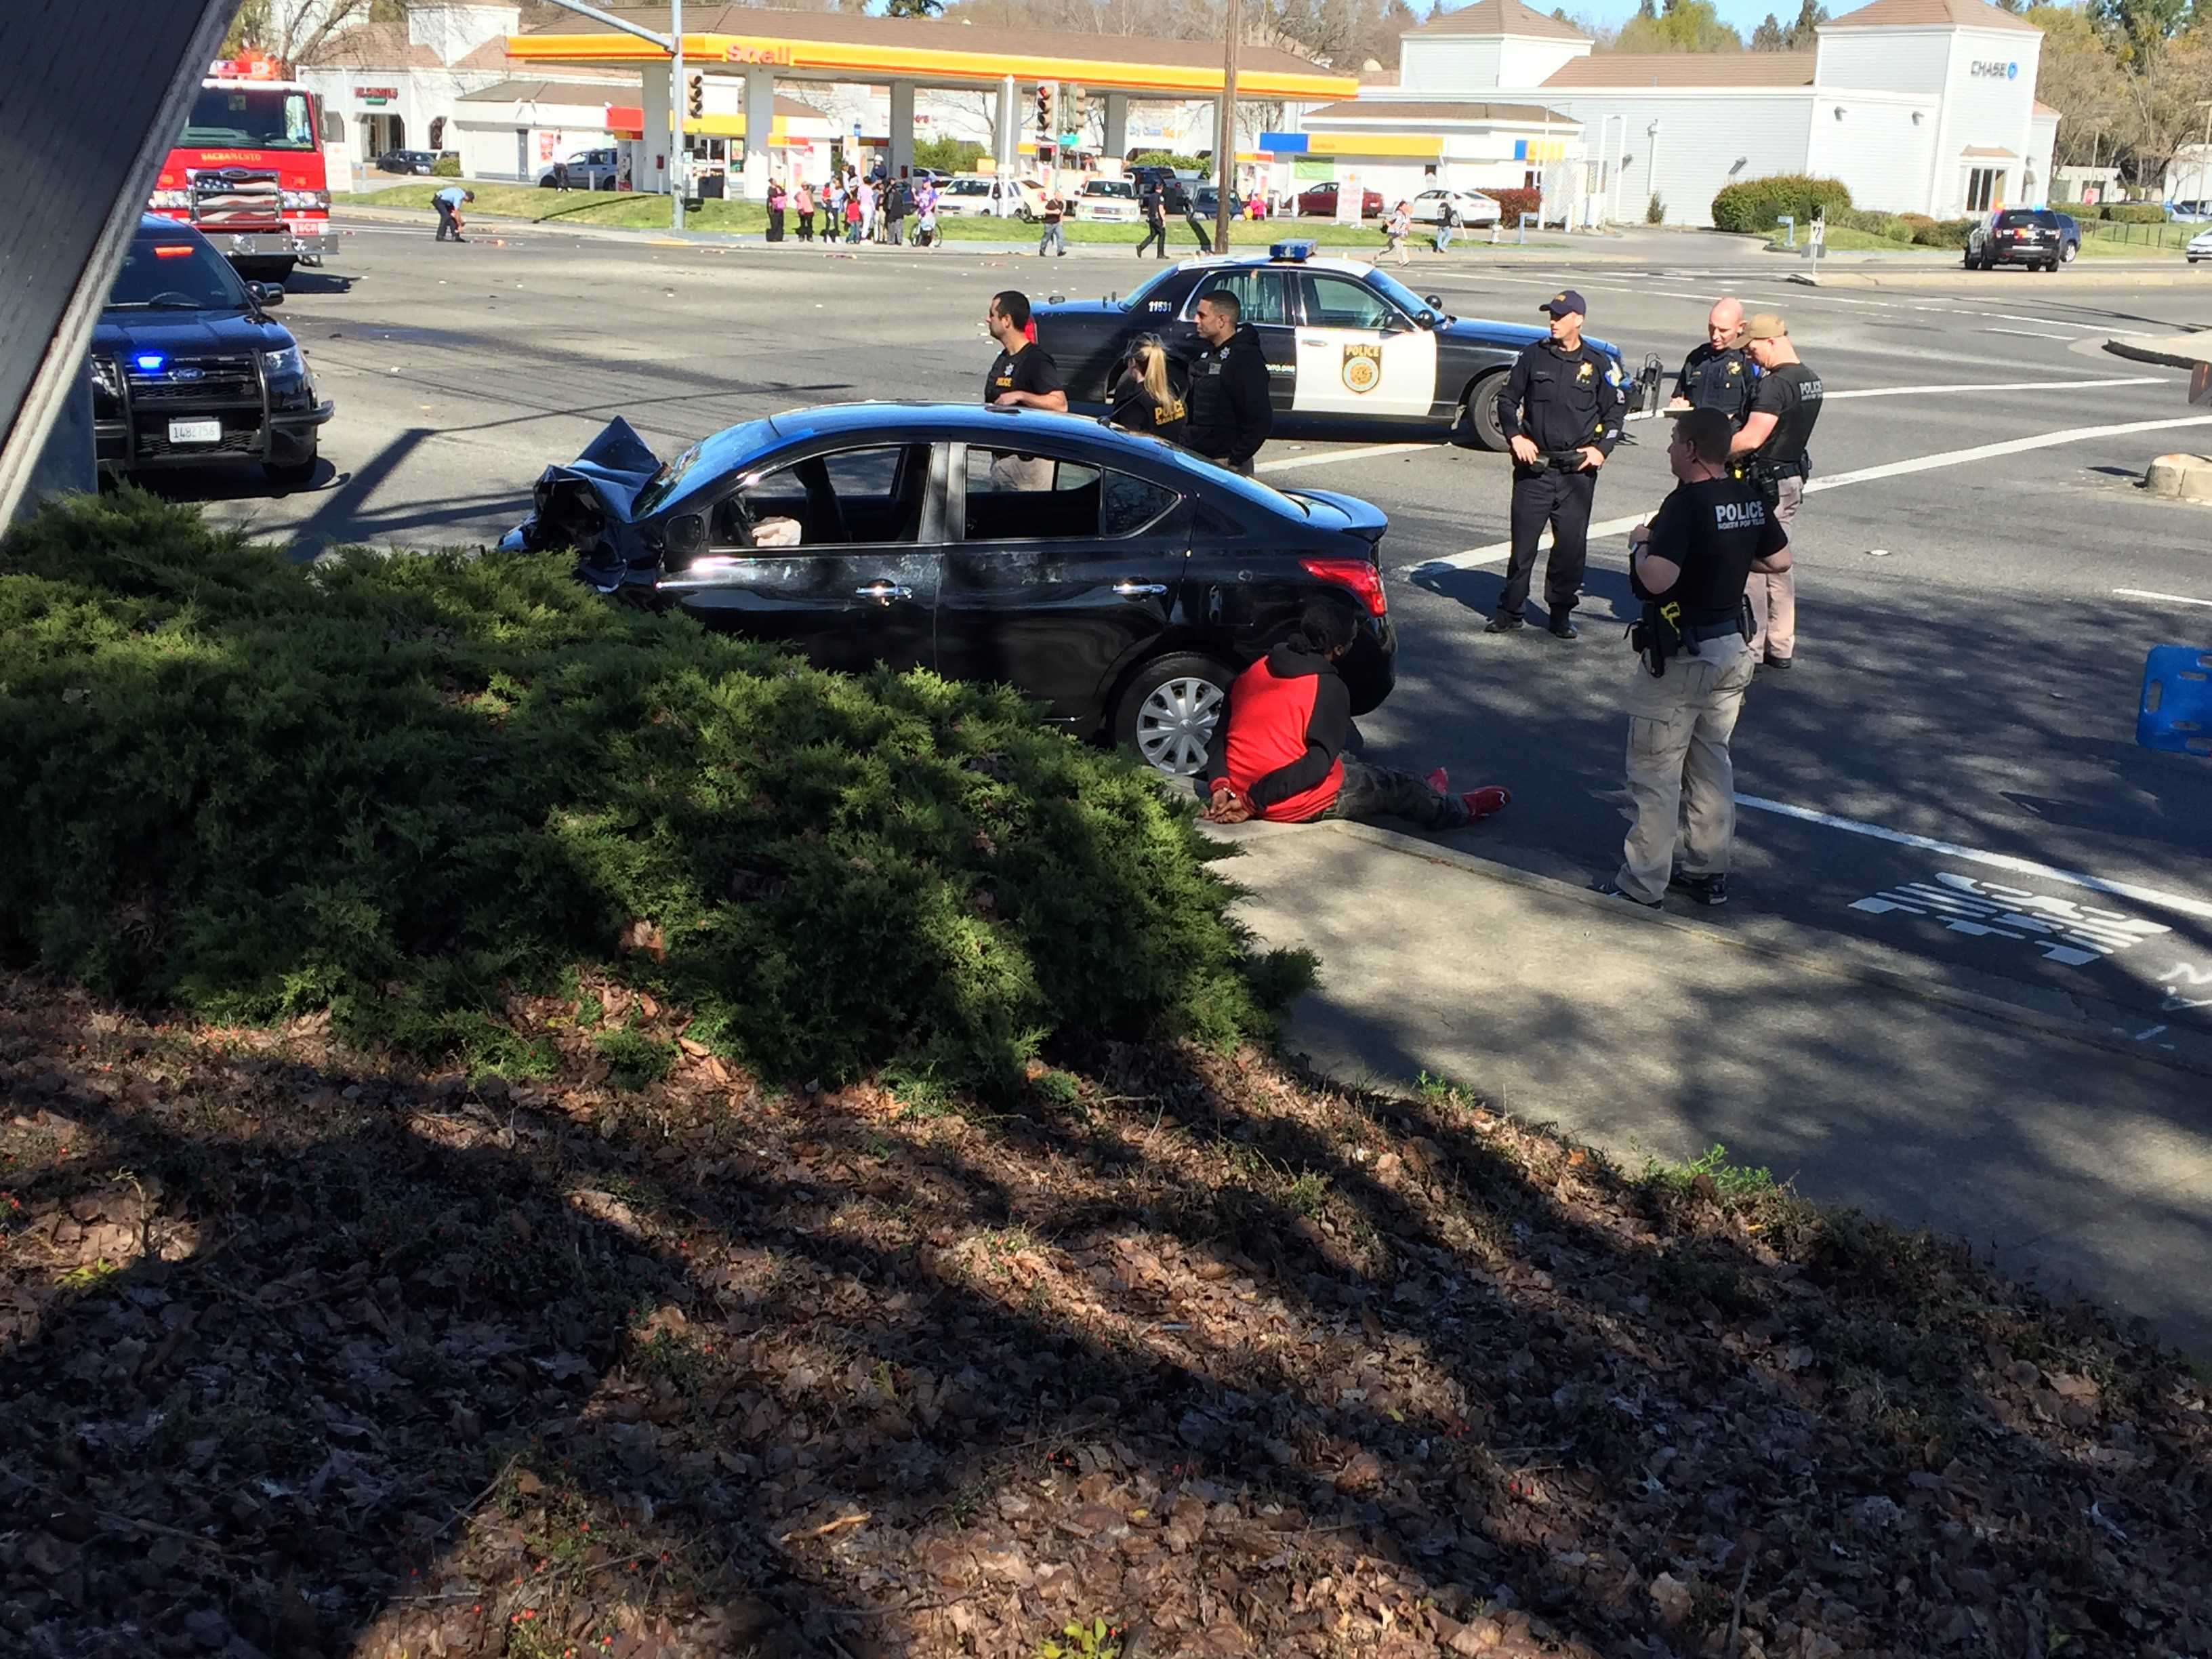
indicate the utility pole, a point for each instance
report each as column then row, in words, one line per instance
column 679, row 158
column 1224, row 137
column 671, row 43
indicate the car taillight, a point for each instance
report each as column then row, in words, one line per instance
column 1361, row 577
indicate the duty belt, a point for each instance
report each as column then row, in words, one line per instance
column 1711, row 631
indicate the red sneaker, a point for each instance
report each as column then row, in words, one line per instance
column 1440, row 781
column 1481, row 803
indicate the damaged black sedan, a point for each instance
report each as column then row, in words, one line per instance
column 1119, row 580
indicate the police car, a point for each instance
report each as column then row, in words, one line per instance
column 1349, row 347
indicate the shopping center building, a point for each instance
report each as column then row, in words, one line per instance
column 1918, row 106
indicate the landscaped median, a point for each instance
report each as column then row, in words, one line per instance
column 618, row 1143
column 629, row 211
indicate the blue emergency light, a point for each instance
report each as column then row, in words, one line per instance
column 1297, row 250
column 149, row 363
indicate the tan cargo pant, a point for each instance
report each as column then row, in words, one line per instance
column 1679, row 725
column 1774, row 598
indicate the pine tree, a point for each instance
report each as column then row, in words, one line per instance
column 1768, row 36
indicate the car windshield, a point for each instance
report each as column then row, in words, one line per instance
column 180, row 273
column 731, row 450
column 255, row 118
column 2009, row 221
column 1110, row 187
column 1396, row 292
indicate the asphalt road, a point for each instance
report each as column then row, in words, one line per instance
column 1949, row 770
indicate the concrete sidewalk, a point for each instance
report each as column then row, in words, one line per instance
column 1869, row 1078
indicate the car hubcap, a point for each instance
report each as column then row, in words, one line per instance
column 1175, row 724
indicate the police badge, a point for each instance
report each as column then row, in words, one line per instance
column 1363, row 367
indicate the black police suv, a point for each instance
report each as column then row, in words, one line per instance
column 1347, row 347
column 2034, row 237
column 188, row 369
column 1121, row 581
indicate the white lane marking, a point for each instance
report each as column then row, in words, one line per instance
column 2163, row 598
column 1363, row 453
column 2184, row 903
column 1995, row 385
column 2031, row 333
column 1496, row 550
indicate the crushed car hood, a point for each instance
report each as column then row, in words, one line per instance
column 587, row 504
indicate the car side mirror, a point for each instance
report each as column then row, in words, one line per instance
column 1428, row 319
column 266, row 294
column 1434, row 301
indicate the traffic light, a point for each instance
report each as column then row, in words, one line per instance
column 1044, row 111
column 696, row 105
column 1075, row 111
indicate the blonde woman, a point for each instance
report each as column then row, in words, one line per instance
column 1143, row 398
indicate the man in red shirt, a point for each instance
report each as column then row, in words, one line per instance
column 1278, row 753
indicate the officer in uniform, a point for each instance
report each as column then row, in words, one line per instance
column 1689, row 565
column 1718, row 374
column 1561, row 411
column 1771, row 452
column 1230, row 411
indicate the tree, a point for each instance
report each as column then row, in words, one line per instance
column 2080, row 77
column 294, row 31
column 1680, row 26
column 913, row 8
column 2144, row 23
column 2160, row 111
column 1768, row 36
column 1802, row 35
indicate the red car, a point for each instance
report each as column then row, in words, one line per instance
column 1319, row 202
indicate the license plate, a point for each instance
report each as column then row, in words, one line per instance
column 195, row 432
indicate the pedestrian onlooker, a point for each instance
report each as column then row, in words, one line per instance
column 1395, row 228
column 1771, row 450
column 1181, row 201
column 1054, row 239
column 855, row 213
column 1143, row 398
column 560, row 176
column 1278, row 751
column 802, row 203
column 897, row 203
column 448, row 202
column 1231, row 409
column 778, row 200
column 925, row 214
column 1690, row 565
column 1152, row 202
column 872, row 211
column 1561, row 410
column 1447, row 222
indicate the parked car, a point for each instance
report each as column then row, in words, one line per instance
column 412, row 161
column 1471, row 207
column 1350, row 349
column 2200, row 246
column 970, row 195
column 1205, row 202
column 1319, row 202
column 1111, row 201
column 2033, row 237
column 2189, row 213
column 188, row 367
column 1119, row 580
column 588, row 169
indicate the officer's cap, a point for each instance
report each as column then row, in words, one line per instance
column 1766, row 327
column 1564, row 301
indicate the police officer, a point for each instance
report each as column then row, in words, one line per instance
column 1154, row 204
column 1689, row 565
column 1771, row 451
column 1718, row 374
column 1561, row 411
column 1230, row 411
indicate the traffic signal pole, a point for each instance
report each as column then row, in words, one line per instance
column 679, row 104
column 672, row 44
column 1224, row 137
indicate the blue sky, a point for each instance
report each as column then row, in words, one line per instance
column 1742, row 14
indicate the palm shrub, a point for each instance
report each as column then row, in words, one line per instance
column 397, row 788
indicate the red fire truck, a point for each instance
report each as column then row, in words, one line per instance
column 248, row 171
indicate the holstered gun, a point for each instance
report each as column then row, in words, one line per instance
column 1657, row 635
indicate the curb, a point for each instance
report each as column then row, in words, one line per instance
column 2137, row 348
column 2052, row 1013
column 2129, row 276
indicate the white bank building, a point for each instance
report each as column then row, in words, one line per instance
column 1918, row 106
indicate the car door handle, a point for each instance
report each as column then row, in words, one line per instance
column 1133, row 590
column 885, row 592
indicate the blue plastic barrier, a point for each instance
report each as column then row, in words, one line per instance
column 2176, row 713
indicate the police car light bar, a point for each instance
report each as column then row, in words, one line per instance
column 1298, row 249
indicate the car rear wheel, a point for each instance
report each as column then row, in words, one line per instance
column 1478, row 416
column 1170, row 709
column 2066, row 254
